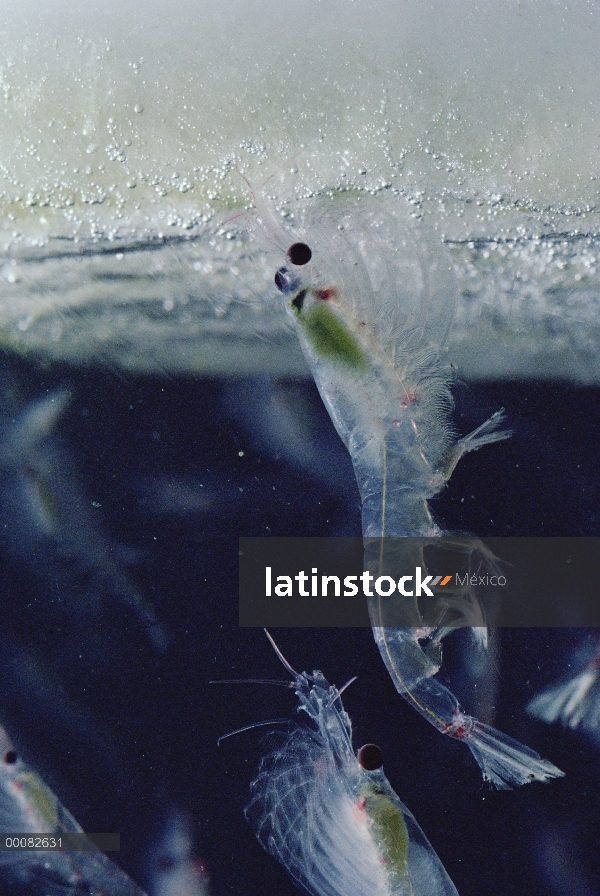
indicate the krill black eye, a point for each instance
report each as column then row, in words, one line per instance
column 299, row 254
column 10, row 757
column 370, row 757
column 285, row 281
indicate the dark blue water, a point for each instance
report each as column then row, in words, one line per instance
column 121, row 733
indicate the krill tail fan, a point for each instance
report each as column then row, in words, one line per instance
column 574, row 703
column 506, row 762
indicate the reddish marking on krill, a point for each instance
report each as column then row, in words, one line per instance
column 325, row 294
column 360, row 808
column 460, row 730
column 409, row 398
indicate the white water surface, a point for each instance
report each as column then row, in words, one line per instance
column 123, row 129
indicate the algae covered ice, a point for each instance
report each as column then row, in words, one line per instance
column 117, row 172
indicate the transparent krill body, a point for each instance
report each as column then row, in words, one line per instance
column 330, row 816
column 29, row 807
column 372, row 298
